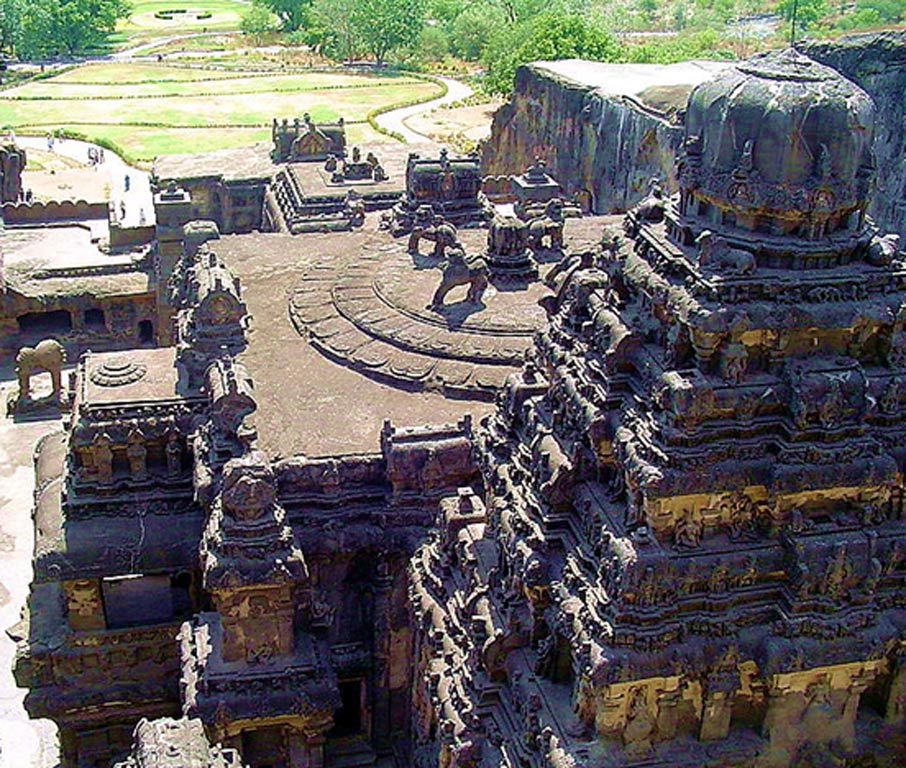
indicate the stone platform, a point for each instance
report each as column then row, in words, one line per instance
column 366, row 308
column 369, row 312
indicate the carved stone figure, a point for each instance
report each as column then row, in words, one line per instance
column 882, row 249
column 689, row 529
column 457, row 271
column 137, row 455
column 102, row 457
column 716, row 254
column 549, row 226
column 429, row 226
column 248, row 490
column 173, row 452
column 49, row 356
column 639, row 722
column 651, row 208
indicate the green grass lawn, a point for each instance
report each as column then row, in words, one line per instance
column 142, row 26
column 151, row 110
column 225, row 14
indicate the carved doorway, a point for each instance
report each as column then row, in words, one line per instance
column 347, row 720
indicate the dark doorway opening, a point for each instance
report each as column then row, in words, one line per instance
column 146, row 332
column 181, row 593
column 94, row 319
column 57, row 321
column 264, row 748
column 347, row 720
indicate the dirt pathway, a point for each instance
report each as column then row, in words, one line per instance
column 132, row 198
column 395, row 119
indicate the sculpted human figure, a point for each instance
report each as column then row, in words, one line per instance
column 639, row 723
column 103, row 459
column 688, row 531
column 137, row 455
column 174, row 454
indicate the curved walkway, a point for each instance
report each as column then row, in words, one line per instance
column 136, row 202
column 395, row 119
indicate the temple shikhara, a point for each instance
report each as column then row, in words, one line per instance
column 560, row 491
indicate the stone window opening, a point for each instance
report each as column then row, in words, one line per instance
column 146, row 332
column 873, row 700
column 181, row 594
column 264, row 747
column 45, row 323
column 136, row 600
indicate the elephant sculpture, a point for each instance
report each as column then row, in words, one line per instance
column 460, row 271
column 49, row 356
column 440, row 231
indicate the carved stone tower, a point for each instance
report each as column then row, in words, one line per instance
column 692, row 552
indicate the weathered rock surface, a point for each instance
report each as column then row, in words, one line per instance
column 877, row 63
column 603, row 129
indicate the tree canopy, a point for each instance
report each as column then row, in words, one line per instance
column 346, row 28
column 385, row 25
column 40, row 27
column 547, row 36
column 293, row 14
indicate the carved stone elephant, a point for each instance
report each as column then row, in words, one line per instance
column 49, row 356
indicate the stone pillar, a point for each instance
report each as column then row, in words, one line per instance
column 305, row 750
column 716, row 711
column 380, row 686
column 895, row 711
column 172, row 210
column 717, row 700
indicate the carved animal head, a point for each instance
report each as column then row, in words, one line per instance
column 248, row 487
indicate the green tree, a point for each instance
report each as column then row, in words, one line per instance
column 12, row 13
column 807, row 12
column 68, row 26
column 333, row 30
column 258, row 21
column 648, row 9
column 293, row 14
column 385, row 25
column 547, row 36
column 473, row 28
column 888, row 11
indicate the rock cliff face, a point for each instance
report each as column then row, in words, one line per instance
column 877, row 63
column 602, row 140
column 601, row 148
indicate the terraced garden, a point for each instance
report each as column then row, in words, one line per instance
column 148, row 109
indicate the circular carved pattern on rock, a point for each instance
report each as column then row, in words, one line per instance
column 117, row 372
column 369, row 311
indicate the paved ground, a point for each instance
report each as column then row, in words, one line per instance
column 24, row 743
column 395, row 119
column 137, row 199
